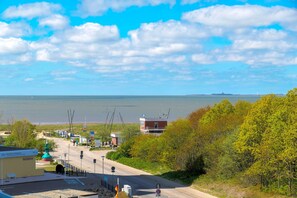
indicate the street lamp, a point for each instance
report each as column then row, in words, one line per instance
column 65, row 165
column 102, row 164
column 94, row 161
column 81, row 157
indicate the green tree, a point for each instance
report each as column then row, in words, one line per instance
column 195, row 116
column 268, row 139
column 176, row 137
column 217, row 111
column 22, row 135
column 129, row 132
column 255, row 125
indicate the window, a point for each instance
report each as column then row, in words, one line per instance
column 156, row 125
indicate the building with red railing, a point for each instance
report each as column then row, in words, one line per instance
column 152, row 125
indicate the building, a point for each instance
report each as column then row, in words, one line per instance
column 18, row 162
column 116, row 138
column 152, row 125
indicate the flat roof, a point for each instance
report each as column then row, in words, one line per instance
column 9, row 148
column 9, row 152
column 152, row 119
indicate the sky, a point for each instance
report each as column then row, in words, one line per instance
column 147, row 47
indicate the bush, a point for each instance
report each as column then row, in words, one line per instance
column 114, row 155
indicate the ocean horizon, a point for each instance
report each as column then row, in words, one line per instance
column 97, row 109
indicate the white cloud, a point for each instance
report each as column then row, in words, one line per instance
column 60, row 73
column 55, row 21
column 260, row 44
column 98, row 7
column 13, row 46
column 202, row 59
column 168, row 49
column 168, row 32
column 43, row 55
column 14, row 29
column 175, row 59
column 184, row 2
column 260, row 47
column 262, row 34
column 31, row 10
column 88, row 33
column 63, row 75
column 243, row 16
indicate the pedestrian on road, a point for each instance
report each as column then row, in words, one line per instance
column 158, row 193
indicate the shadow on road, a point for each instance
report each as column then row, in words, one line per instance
column 141, row 185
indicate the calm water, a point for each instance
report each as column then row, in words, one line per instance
column 53, row 109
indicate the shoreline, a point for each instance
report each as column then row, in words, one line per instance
column 74, row 123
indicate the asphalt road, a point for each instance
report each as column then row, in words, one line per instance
column 143, row 184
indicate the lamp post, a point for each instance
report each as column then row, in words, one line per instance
column 81, row 157
column 94, row 161
column 102, row 164
column 65, row 164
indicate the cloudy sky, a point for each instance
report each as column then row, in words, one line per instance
column 147, row 47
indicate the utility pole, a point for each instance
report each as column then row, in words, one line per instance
column 81, row 157
column 94, row 161
column 102, row 164
column 65, row 164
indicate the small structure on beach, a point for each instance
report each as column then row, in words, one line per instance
column 46, row 156
column 152, row 125
column 116, row 138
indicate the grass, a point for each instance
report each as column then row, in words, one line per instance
column 153, row 168
column 230, row 188
column 78, row 128
column 206, row 183
column 50, row 168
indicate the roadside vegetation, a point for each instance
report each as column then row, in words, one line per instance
column 102, row 131
column 240, row 150
column 229, row 150
column 24, row 134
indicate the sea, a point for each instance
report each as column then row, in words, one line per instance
column 102, row 109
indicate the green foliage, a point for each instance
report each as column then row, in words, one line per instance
column 268, row 137
column 22, row 135
column 219, row 110
column 1, row 140
column 195, row 116
column 151, row 167
column 125, row 148
column 40, row 145
column 146, row 147
column 129, row 132
column 175, row 138
column 113, row 155
column 254, row 144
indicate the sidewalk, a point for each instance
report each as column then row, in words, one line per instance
column 45, row 177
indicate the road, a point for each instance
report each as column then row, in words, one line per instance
column 143, row 184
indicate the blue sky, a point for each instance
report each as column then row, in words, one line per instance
column 147, row 47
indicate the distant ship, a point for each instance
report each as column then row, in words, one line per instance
column 221, row 94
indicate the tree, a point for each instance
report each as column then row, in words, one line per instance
column 176, row 137
column 129, row 132
column 217, row 111
column 195, row 116
column 255, row 125
column 268, row 139
column 22, row 135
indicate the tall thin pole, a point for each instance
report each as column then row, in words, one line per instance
column 68, row 152
column 102, row 165
column 65, row 164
